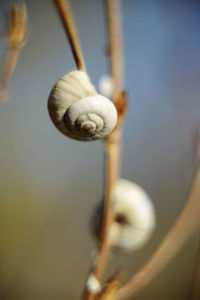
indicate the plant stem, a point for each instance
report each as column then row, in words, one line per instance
column 115, row 45
column 16, row 36
column 186, row 224
column 196, row 284
column 10, row 62
column 112, row 147
column 112, row 143
column 69, row 26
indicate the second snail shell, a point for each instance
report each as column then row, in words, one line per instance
column 78, row 111
column 134, row 220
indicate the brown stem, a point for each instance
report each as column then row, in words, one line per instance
column 186, row 224
column 10, row 62
column 196, row 285
column 112, row 148
column 69, row 26
column 115, row 45
column 16, row 36
column 112, row 143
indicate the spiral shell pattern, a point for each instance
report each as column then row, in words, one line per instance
column 134, row 220
column 78, row 111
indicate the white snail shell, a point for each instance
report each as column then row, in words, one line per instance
column 106, row 86
column 93, row 285
column 78, row 111
column 134, row 220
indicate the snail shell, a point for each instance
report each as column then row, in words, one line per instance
column 78, row 111
column 106, row 86
column 134, row 220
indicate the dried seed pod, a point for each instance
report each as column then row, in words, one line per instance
column 134, row 220
column 78, row 111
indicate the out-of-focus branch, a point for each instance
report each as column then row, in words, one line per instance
column 112, row 142
column 115, row 46
column 111, row 288
column 16, row 37
column 186, row 224
column 69, row 26
column 112, row 148
column 196, row 285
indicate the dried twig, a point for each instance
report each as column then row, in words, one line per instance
column 115, row 45
column 111, row 288
column 69, row 26
column 196, row 285
column 16, row 36
column 112, row 142
column 184, row 227
column 112, row 148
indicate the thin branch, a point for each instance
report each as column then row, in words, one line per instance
column 16, row 36
column 111, row 288
column 115, row 45
column 112, row 142
column 69, row 26
column 112, row 147
column 196, row 285
column 186, row 224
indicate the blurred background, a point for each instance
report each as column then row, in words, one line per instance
column 49, row 183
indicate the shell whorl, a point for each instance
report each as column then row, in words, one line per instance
column 78, row 111
column 134, row 220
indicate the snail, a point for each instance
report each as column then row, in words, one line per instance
column 78, row 111
column 93, row 285
column 106, row 86
column 134, row 217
